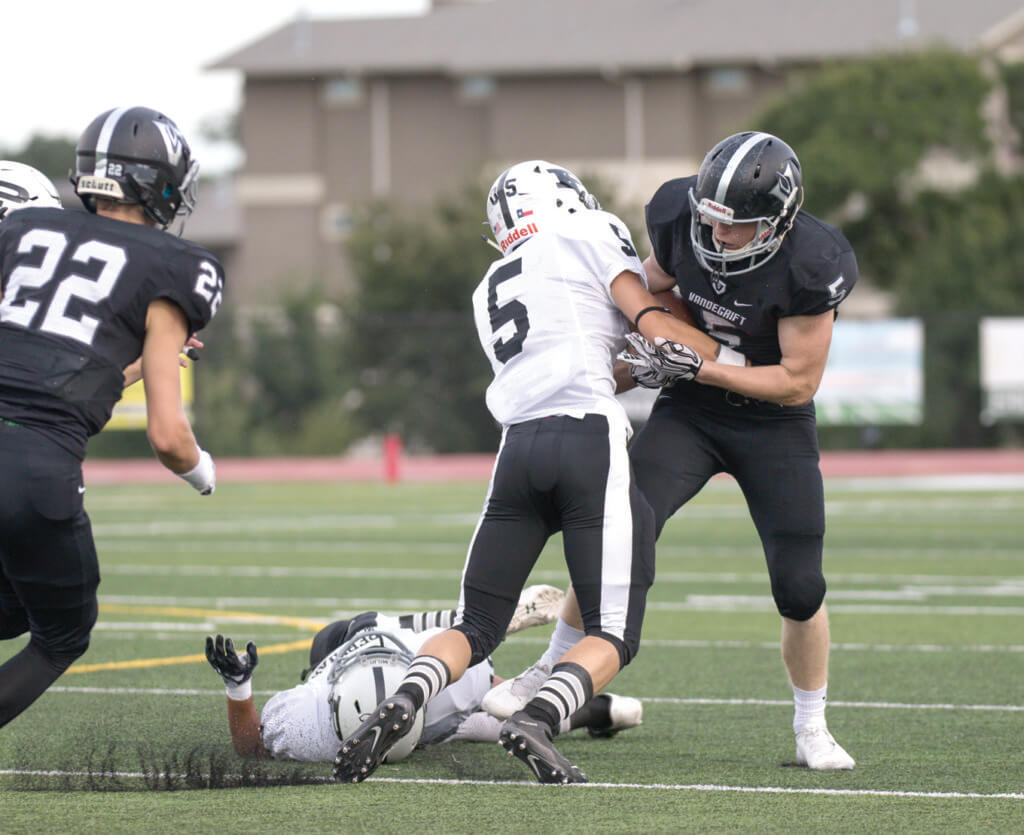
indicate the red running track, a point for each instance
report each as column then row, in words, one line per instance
column 478, row 467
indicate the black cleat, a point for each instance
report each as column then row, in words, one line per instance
column 530, row 741
column 361, row 754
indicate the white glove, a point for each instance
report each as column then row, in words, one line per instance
column 644, row 365
column 679, row 361
column 203, row 476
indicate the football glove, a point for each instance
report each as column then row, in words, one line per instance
column 233, row 668
column 678, row 361
column 644, row 363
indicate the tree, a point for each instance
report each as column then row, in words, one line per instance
column 53, row 155
column 947, row 250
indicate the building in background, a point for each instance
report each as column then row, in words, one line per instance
column 337, row 112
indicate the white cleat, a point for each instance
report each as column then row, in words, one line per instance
column 512, row 694
column 816, row 749
column 537, row 605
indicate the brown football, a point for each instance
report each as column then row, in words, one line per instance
column 671, row 300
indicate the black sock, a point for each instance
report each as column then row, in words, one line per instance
column 23, row 679
column 566, row 690
column 594, row 714
column 426, row 677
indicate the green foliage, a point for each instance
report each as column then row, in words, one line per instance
column 862, row 130
column 860, row 127
column 411, row 334
column 277, row 382
column 53, row 155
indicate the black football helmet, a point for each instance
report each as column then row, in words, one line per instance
column 747, row 177
column 136, row 155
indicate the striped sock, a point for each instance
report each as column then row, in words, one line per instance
column 426, row 677
column 566, row 690
column 421, row 621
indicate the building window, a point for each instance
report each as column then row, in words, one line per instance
column 728, row 81
column 476, row 88
column 343, row 92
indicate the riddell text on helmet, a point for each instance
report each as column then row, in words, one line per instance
column 522, row 232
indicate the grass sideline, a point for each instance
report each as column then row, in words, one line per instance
column 925, row 596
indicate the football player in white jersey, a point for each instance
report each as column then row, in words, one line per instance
column 552, row 314
column 354, row 663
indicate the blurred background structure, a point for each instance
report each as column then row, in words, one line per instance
column 351, row 232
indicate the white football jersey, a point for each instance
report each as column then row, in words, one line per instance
column 296, row 724
column 547, row 322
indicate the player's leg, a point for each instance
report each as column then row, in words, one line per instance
column 672, row 460
column 781, row 481
column 59, row 636
column 49, row 565
column 608, row 533
column 508, row 539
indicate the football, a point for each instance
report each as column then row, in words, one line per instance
column 670, row 299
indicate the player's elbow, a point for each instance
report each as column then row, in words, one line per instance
column 800, row 394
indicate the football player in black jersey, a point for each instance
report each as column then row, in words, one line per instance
column 764, row 280
column 84, row 295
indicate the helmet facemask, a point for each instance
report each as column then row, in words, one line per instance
column 747, row 178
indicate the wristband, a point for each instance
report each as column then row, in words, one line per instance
column 202, row 475
column 727, row 356
column 636, row 321
column 239, row 692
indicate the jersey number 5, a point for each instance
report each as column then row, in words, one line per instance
column 57, row 320
column 511, row 311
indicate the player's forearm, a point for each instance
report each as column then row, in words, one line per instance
column 173, row 443
column 774, row 383
column 658, row 323
column 244, row 723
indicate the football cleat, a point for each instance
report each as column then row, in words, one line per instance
column 362, row 753
column 624, row 711
column 512, row 694
column 530, row 741
column 537, row 605
column 816, row 749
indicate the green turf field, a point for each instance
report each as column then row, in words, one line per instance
column 927, row 678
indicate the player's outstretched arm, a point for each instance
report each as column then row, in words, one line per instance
column 236, row 672
column 167, row 427
column 804, row 341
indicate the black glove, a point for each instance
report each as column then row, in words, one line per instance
column 233, row 668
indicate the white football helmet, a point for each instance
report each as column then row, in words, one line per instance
column 23, row 187
column 368, row 669
column 531, row 195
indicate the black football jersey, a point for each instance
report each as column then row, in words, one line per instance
column 813, row 271
column 76, row 288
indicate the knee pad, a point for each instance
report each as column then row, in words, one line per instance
column 62, row 635
column 794, row 564
column 481, row 642
column 13, row 622
column 800, row 596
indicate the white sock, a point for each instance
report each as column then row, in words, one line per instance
column 563, row 639
column 810, row 709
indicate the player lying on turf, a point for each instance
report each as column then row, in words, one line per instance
column 355, row 663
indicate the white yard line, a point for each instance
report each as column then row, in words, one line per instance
column 693, row 603
column 157, row 691
column 675, row 787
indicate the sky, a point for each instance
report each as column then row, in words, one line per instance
column 63, row 63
